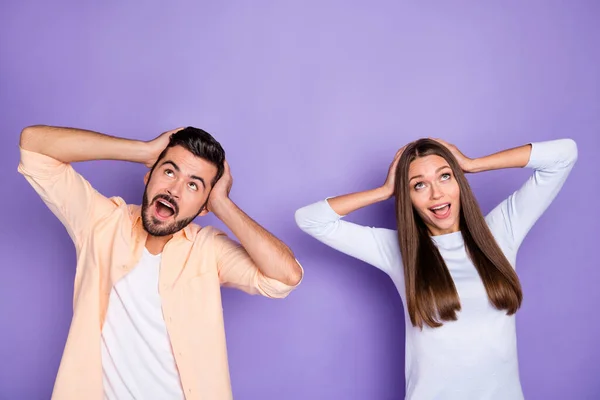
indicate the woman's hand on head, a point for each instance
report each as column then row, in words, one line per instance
column 390, row 180
column 464, row 162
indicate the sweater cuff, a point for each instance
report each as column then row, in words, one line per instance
column 550, row 153
column 327, row 210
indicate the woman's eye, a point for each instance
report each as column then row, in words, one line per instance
column 446, row 176
column 419, row 185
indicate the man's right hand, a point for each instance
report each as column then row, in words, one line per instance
column 157, row 145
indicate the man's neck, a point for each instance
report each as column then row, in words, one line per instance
column 156, row 244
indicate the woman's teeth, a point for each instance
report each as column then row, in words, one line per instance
column 440, row 209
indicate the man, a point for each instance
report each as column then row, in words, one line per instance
column 147, row 317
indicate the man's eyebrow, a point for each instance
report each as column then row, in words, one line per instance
column 176, row 168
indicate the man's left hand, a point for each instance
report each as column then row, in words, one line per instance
column 220, row 192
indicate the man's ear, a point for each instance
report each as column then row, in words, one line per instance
column 146, row 177
column 205, row 209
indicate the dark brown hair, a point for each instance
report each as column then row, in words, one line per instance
column 430, row 292
column 201, row 144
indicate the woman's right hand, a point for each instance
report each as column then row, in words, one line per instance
column 347, row 203
column 390, row 181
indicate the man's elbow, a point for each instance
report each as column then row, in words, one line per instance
column 280, row 287
column 29, row 137
column 295, row 276
column 298, row 275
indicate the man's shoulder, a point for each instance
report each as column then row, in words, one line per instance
column 122, row 209
column 134, row 209
column 200, row 232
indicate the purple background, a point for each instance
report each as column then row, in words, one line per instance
column 310, row 99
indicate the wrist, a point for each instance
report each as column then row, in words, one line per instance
column 144, row 153
column 221, row 206
column 473, row 165
column 383, row 193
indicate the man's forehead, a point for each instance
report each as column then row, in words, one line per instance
column 187, row 162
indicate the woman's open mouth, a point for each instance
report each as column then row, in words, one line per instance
column 441, row 211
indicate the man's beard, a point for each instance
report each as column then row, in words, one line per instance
column 158, row 228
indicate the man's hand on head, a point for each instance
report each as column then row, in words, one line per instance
column 157, row 145
column 220, row 192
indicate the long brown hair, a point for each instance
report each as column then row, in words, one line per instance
column 430, row 292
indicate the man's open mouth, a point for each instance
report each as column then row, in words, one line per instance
column 164, row 209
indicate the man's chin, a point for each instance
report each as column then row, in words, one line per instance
column 156, row 228
column 159, row 228
column 158, row 233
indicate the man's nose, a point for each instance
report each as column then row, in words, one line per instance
column 174, row 190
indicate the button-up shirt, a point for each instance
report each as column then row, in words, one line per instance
column 109, row 237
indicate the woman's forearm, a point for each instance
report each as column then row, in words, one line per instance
column 517, row 157
column 347, row 203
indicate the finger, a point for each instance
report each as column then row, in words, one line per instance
column 172, row 131
column 443, row 142
column 396, row 160
column 399, row 153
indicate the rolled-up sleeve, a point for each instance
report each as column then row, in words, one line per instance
column 69, row 196
column 237, row 270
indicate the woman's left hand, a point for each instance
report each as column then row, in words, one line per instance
column 465, row 163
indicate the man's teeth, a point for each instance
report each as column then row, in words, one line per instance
column 165, row 204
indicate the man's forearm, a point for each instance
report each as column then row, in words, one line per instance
column 72, row 145
column 272, row 257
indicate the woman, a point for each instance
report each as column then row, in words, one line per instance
column 453, row 268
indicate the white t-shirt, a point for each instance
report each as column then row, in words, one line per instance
column 474, row 357
column 137, row 359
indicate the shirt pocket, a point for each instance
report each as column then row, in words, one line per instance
column 203, row 294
